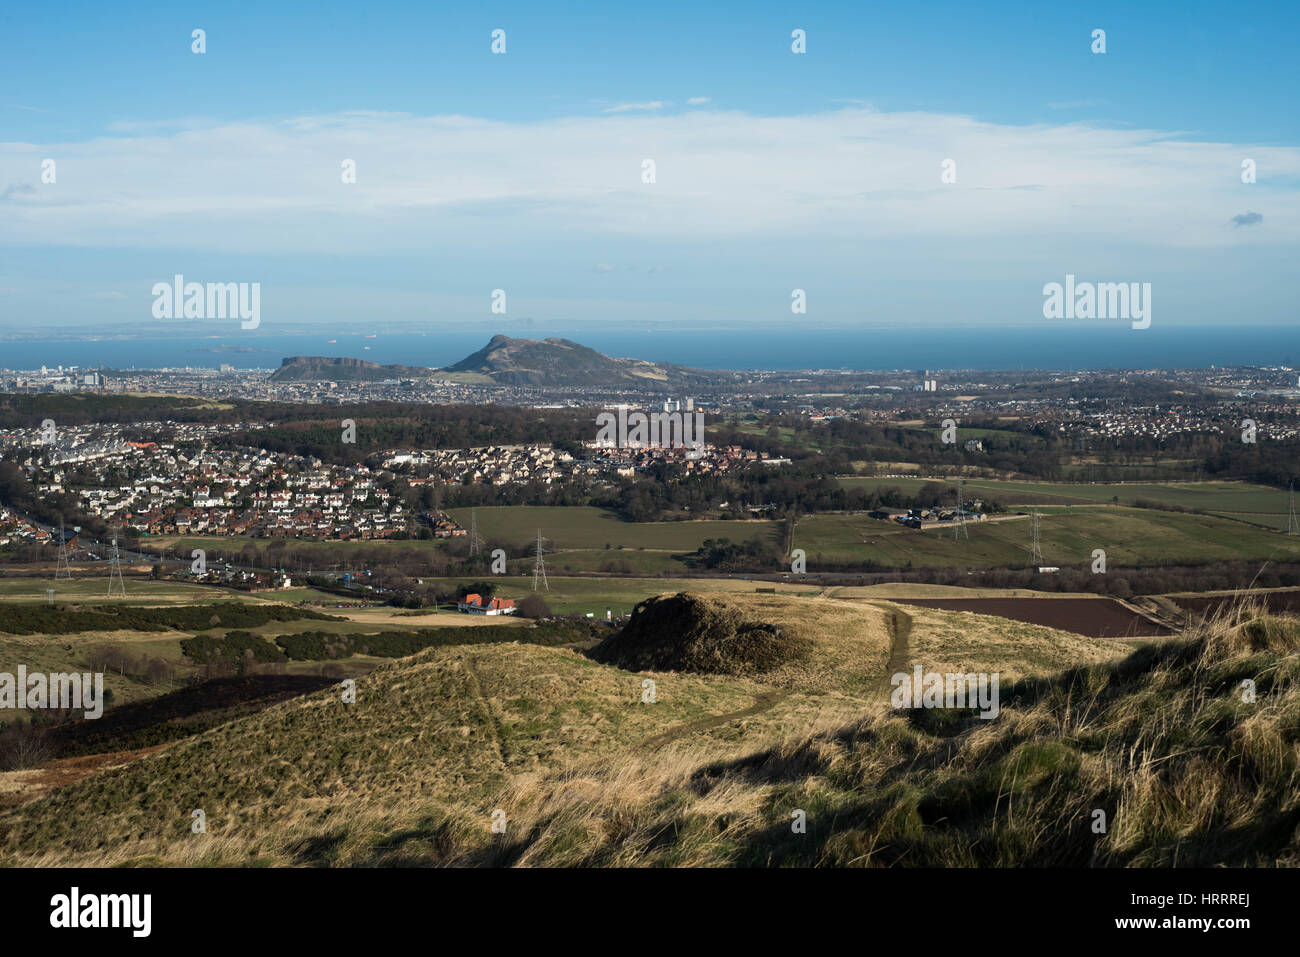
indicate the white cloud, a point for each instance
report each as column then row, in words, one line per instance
column 699, row 100
column 848, row 174
column 637, row 107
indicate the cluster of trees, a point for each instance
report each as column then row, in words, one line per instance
column 724, row 555
column 112, row 658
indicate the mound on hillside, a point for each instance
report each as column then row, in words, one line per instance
column 704, row 635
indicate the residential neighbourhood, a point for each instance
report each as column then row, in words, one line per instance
column 183, row 484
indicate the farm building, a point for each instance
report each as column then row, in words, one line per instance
column 473, row 605
column 887, row 514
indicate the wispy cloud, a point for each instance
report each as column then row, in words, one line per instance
column 274, row 186
column 637, row 107
column 699, row 100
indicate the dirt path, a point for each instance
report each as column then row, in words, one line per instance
column 495, row 725
column 763, row 702
column 899, row 624
column 1166, row 615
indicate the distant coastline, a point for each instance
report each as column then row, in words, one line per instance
column 1058, row 347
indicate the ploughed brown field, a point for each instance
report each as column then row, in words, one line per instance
column 1091, row 617
column 1277, row 602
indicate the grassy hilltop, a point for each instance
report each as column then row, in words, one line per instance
column 586, row 773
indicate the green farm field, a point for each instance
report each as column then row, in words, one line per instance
column 1251, row 503
column 576, row 538
column 1129, row 536
column 585, row 527
column 79, row 591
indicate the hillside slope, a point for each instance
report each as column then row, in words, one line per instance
column 588, row 773
column 1156, row 760
column 560, row 362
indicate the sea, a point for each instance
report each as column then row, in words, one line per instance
column 790, row 347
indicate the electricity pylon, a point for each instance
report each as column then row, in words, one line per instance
column 539, row 566
column 115, row 571
column 474, row 542
column 63, row 569
column 1035, row 546
column 1292, row 526
column 959, row 530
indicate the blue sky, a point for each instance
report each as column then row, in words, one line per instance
column 775, row 171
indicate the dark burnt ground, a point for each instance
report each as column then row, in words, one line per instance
column 175, row 715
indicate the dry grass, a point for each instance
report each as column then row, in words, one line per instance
column 1185, row 771
column 1159, row 738
column 966, row 642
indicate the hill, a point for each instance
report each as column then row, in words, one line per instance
column 317, row 368
column 411, row 772
column 560, row 362
column 1151, row 761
